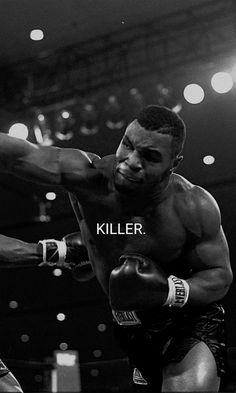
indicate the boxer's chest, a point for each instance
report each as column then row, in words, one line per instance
column 158, row 233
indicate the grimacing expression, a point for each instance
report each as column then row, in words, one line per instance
column 143, row 158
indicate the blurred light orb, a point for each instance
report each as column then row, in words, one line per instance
column 51, row 196
column 97, row 353
column 208, row 160
column 61, row 317
column 94, row 372
column 222, row 82
column 177, row 108
column 19, row 130
column 13, row 304
column 41, row 117
column 193, row 93
column 102, row 327
column 57, row 272
column 63, row 346
column 24, row 338
column 36, row 35
column 65, row 114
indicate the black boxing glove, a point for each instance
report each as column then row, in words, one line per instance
column 68, row 253
column 75, row 249
column 77, row 257
column 137, row 284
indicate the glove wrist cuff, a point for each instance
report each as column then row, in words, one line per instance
column 178, row 292
column 54, row 252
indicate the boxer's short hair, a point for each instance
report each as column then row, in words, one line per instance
column 164, row 121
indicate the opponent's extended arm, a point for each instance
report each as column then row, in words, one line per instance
column 15, row 253
column 68, row 253
column 50, row 165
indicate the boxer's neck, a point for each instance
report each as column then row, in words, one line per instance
column 148, row 198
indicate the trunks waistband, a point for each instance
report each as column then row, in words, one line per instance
column 126, row 318
column 162, row 315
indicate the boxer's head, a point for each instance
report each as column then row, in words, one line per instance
column 150, row 149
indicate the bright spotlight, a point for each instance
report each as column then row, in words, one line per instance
column 65, row 114
column 36, row 35
column 57, row 272
column 19, row 130
column 61, row 316
column 222, row 82
column 193, row 93
column 50, row 196
column 208, row 160
column 41, row 117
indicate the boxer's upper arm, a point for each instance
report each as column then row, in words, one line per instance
column 208, row 258
column 210, row 249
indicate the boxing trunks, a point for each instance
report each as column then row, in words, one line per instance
column 153, row 339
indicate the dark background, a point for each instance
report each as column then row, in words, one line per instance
column 88, row 55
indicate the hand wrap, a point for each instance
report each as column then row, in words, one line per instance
column 138, row 283
column 54, row 252
column 68, row 253
column 178, row 292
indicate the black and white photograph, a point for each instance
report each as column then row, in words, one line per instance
column 117, row 196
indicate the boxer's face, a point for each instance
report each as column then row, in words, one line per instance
column 143, row 159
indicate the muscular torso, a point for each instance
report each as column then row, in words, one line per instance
column 165, row 226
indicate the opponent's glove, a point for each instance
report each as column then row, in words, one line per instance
column 139, row 283
column 68, row 253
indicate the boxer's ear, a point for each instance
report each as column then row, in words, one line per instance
column 176, row 162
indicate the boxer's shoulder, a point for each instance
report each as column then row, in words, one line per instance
column 195, row 205
column 192, row 194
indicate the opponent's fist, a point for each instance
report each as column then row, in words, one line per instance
column 68, row 253
column 75, row 249
column 77, row 257
column 137, row 284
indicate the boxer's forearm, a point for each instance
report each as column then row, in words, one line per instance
column 12, row 149
column 14, row 252
column 208, row 286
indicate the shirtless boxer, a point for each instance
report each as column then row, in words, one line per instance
column 156, row 245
